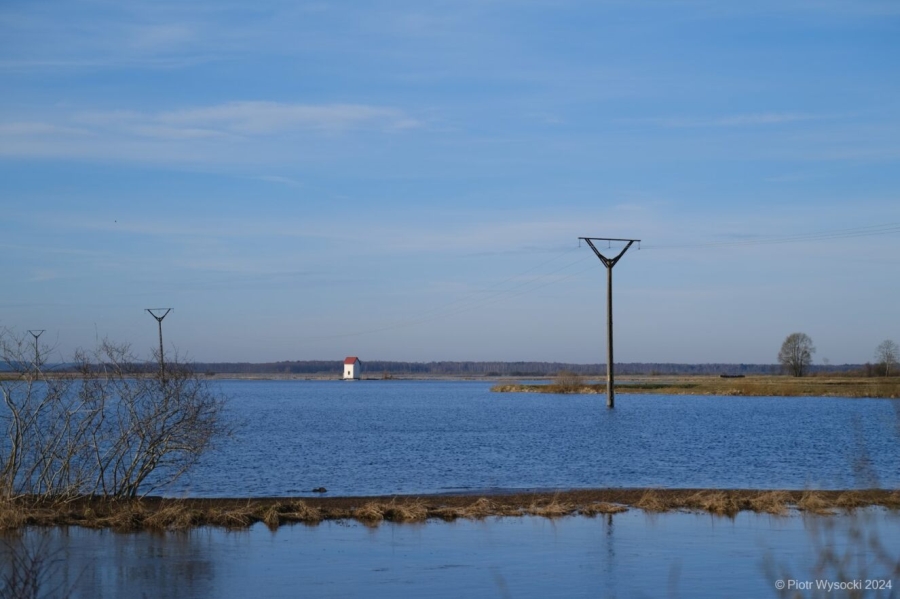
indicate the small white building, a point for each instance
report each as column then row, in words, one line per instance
column 352, row 368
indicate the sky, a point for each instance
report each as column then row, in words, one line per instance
column 408, row 180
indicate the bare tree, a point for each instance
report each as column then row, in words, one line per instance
column 118, row 427
column 886, row 355
column 154, row 427
column 796, row 353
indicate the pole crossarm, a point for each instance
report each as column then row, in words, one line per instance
column 608, row 262
column 153, row 312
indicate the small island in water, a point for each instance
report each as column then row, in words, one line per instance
column 758, row 386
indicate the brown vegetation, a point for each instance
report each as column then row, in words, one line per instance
column 154, row 513
column 760, row 386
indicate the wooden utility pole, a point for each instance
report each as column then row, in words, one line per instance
column 37, row 355
column 609, row 263
column 159, row 319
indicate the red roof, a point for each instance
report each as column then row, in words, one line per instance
column 350, row 359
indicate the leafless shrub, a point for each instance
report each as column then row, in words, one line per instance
column 568, row 382
column 119, row 427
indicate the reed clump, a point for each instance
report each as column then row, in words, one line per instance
column 299, row 511
column 554, row 508
column 370, row 514
column 651, row 501
column 714, row 502
column 171, row 516
column 601, row 508
column 815, row 503
column 771, row 502
column 414, row 511
column 11, row 517
column 236, row 517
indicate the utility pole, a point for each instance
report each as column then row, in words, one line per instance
column 159, row 319
column 37, row 355
column 609, row 263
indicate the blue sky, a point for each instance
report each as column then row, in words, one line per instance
column 407, row 180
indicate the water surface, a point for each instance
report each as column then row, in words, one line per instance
column 417, row 437
column 626, row 555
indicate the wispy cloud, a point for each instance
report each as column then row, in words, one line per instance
column 735, row 120
column 164, row 37
column 25, row 128
column 230, row 132
column 254, row 118
column 251, row 118
column 280, row 180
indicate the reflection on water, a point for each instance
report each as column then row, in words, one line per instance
column 627, row 555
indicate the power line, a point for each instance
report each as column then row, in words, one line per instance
column 867, row 231
column 464, row 304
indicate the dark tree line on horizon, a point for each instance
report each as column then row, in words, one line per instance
column 515, row 369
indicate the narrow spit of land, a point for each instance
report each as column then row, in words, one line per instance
column 760, row 386
column 156, row 513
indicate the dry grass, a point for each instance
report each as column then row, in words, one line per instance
column 651, row 501
column 373, row 513
column 183, row 514
column 767, row 386
column 721, row 503
column 771, row 502
column 11, row 516
column 601, row 507
column 815, row 503
column 299, row 511
column 232, row 517
column 171, row 516
column 414, row 511
column 552, row 508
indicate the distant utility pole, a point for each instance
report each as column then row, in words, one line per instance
column 609, row 263
column 159, row 319
column 37, row 355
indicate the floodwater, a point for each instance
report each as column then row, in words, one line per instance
column 626, row 555
column 384, row 437
column 418, row 437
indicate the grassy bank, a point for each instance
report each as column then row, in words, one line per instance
column 181, row 514
column 819, row 386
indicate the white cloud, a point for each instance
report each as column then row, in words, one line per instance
column 735, row 120
column 249, row 118
column 24, row 128
column 268, row 117
column 230, row 132
column 162, row 38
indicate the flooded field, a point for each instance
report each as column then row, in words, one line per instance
column 422, row 437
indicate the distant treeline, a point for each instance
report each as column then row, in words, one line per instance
column 493, row 369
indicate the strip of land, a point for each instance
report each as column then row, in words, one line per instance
column 156, row 513
column 760, row 386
